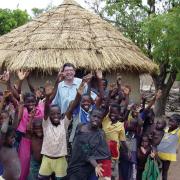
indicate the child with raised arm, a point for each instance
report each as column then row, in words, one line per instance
column 89, row 148
column 167, row 149
column 26, row 106
column 54, row 147
column 84, row 104
column 115, row 134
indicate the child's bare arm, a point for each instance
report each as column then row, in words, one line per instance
column 52, row 94
column 20, row 108
column 77, row 100
column 22, row 74
column 3, row 100
column 100, row 87
column 3, row 131
column 155, row 98
column 98, row 167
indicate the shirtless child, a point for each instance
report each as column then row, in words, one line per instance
column 36, row 145
column 8, row 154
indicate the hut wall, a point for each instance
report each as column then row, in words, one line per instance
column 131, row 79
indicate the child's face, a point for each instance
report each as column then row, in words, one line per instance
column 11, row 139
column 3, row 117
column 160, row 125
column 55, row 115
column 96, row 119
column 30, row 103
column 40, row 93
column 37, row 130
column 114, row 114
column 86, row 103
column 105, row 103
column 145, row 142
column 172, row 124
column 156, row 137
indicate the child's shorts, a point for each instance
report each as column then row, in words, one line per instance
column 106, row 165
column 58, row 166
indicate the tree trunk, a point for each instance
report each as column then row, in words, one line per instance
column 160, row 105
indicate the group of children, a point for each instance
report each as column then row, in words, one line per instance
column 104, row 138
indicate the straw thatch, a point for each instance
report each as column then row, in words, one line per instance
column 70, row 33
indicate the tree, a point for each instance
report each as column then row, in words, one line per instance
column 36, row 11
column 10, row 19
column 164, row 33
column 154, row 26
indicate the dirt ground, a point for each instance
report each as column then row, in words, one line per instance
column 174, row 172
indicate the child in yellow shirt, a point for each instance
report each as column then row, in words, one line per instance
column 115, row 134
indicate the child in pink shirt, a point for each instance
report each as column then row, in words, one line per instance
column 26, row 110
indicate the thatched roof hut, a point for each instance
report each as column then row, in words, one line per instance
column 70, row 33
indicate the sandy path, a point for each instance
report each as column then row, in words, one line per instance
column 174, row 172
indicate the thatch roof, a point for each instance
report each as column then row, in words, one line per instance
column 70, row 33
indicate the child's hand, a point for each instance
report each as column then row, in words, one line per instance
column 80, row 90
column 60, row 75
column 119, row 80
column 144, row 151
column 126, row 91
column 153, row 154
column 87, row 78
column 112, row 86
column 5, row 77
column 6, row 93
column 32, row 113
column 99, row 74
column 99, row 170
column 21, row 100
column 22, row 74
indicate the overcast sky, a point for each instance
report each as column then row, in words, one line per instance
column 29, row 4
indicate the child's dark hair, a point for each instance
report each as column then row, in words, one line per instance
column 87, row 94
column 176, row 117
column 68, row 65
column 41, row 88
column 54, row 105
column 117, row 106
column 27, row 95
column 96, row 109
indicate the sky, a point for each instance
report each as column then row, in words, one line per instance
column 29, row 4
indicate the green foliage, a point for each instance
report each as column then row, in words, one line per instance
column 164, row 32
column 155, row 31
column 36, row 11
column 10, row 19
